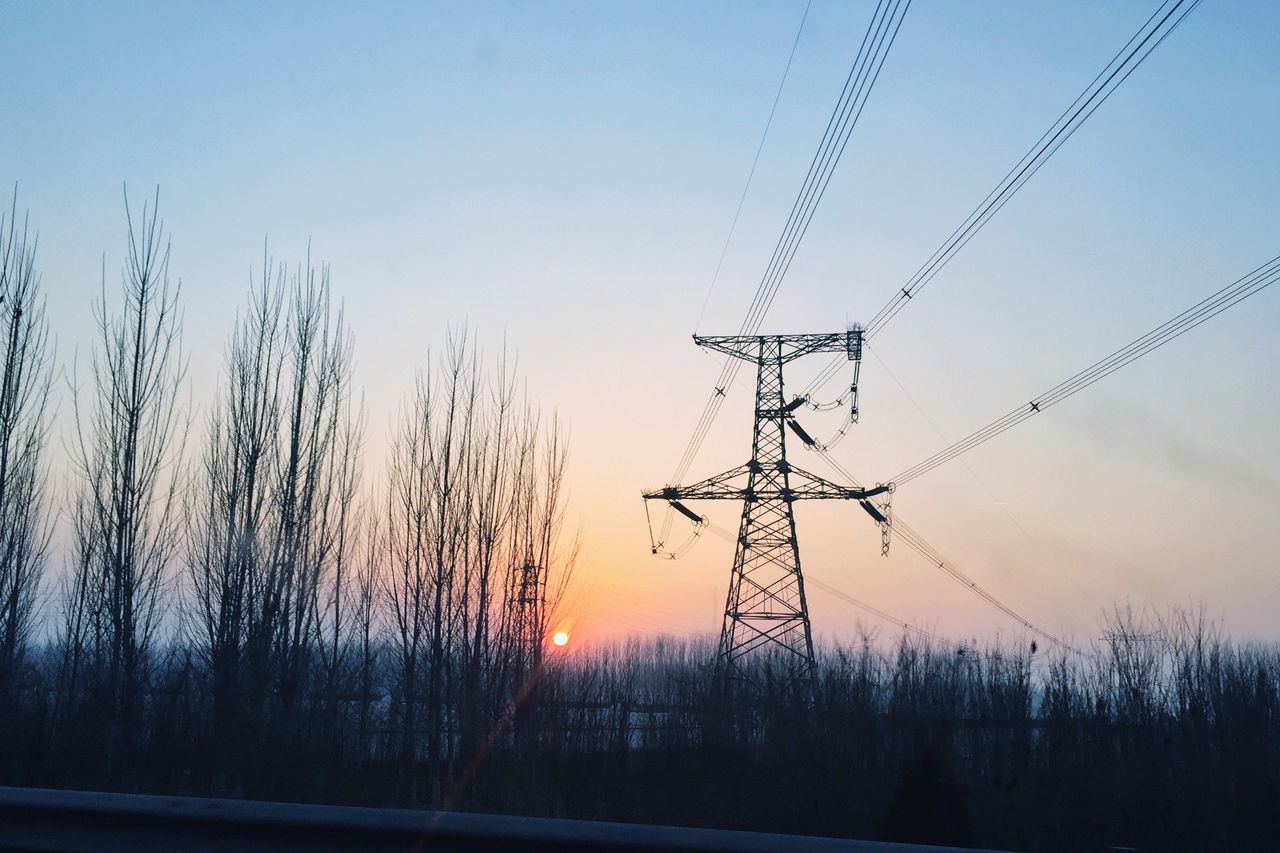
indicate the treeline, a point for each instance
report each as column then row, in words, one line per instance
column 1164, row 735
column 242, row 610
column 238, row 608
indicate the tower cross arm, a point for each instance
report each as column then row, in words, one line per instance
column 803, row 486
column 789, row 346
column 812, row 487
column 718, row 487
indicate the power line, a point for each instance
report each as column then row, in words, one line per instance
column 880, row 36
column 843, row 117
column 911, row 398
column 1207, row 308
column 876, row 42
column 917, row 543
column 844, row 596
column 880, row 614
column 920, row 546
column 665, row 528
column 755, row 161
column 1156, row 29
column 1149, row 36
column 875, row 48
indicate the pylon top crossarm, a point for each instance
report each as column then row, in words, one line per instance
column 789, row 346
column 801, row 485
column 713, row 488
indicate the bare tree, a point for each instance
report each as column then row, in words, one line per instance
column 232, row 501
column 538, row 570
column 129, row 434
column 408, row 529
column 493, row 474
column 430, row 544
column 25, row 381
column 475, row 499
column 367, row 622
column 273, row 512
column 313, row 497
column 341, row 591
column 450, row 505
column 538, row 504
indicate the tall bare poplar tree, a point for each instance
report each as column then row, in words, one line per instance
column 494, row 474
column 273, row 518
column 311, row 497
column 432, row 483
column 128, row 442
column 24, row 391
column 233, row 500
column 406, row 543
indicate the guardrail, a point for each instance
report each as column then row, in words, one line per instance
column 39, row 819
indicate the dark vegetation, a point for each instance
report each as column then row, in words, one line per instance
column 239, row 611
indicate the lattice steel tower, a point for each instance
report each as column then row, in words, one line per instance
column 766, row 608
column 527, row 601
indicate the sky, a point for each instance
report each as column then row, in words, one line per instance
column 562, row 176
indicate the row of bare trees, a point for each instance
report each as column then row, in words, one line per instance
column 239, row 547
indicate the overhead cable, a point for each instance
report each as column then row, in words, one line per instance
column 1149, row 36
column 810, row 579
column 724, row 250
column 1156, row 29
column 876, row 42
column 918, row 544
column 878, row 613
column 1207, row 308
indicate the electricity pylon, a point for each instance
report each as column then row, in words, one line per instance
column 527, row 602
column 766, row 608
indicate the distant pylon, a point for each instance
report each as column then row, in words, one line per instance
column 527, row 602
column 766, row 609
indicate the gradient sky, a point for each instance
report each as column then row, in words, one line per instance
column 564, row 174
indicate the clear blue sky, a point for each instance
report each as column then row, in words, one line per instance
column 565, row 174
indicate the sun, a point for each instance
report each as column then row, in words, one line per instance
column 560, row 638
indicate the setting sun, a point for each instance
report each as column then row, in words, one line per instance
column 560, row 638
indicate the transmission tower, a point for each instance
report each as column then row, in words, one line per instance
column 526, row 602
column 766, row 609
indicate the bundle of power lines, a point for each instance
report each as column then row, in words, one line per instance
column 917, row 543
column 1207, row 308
column 862, row 77
column 1148, row 37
